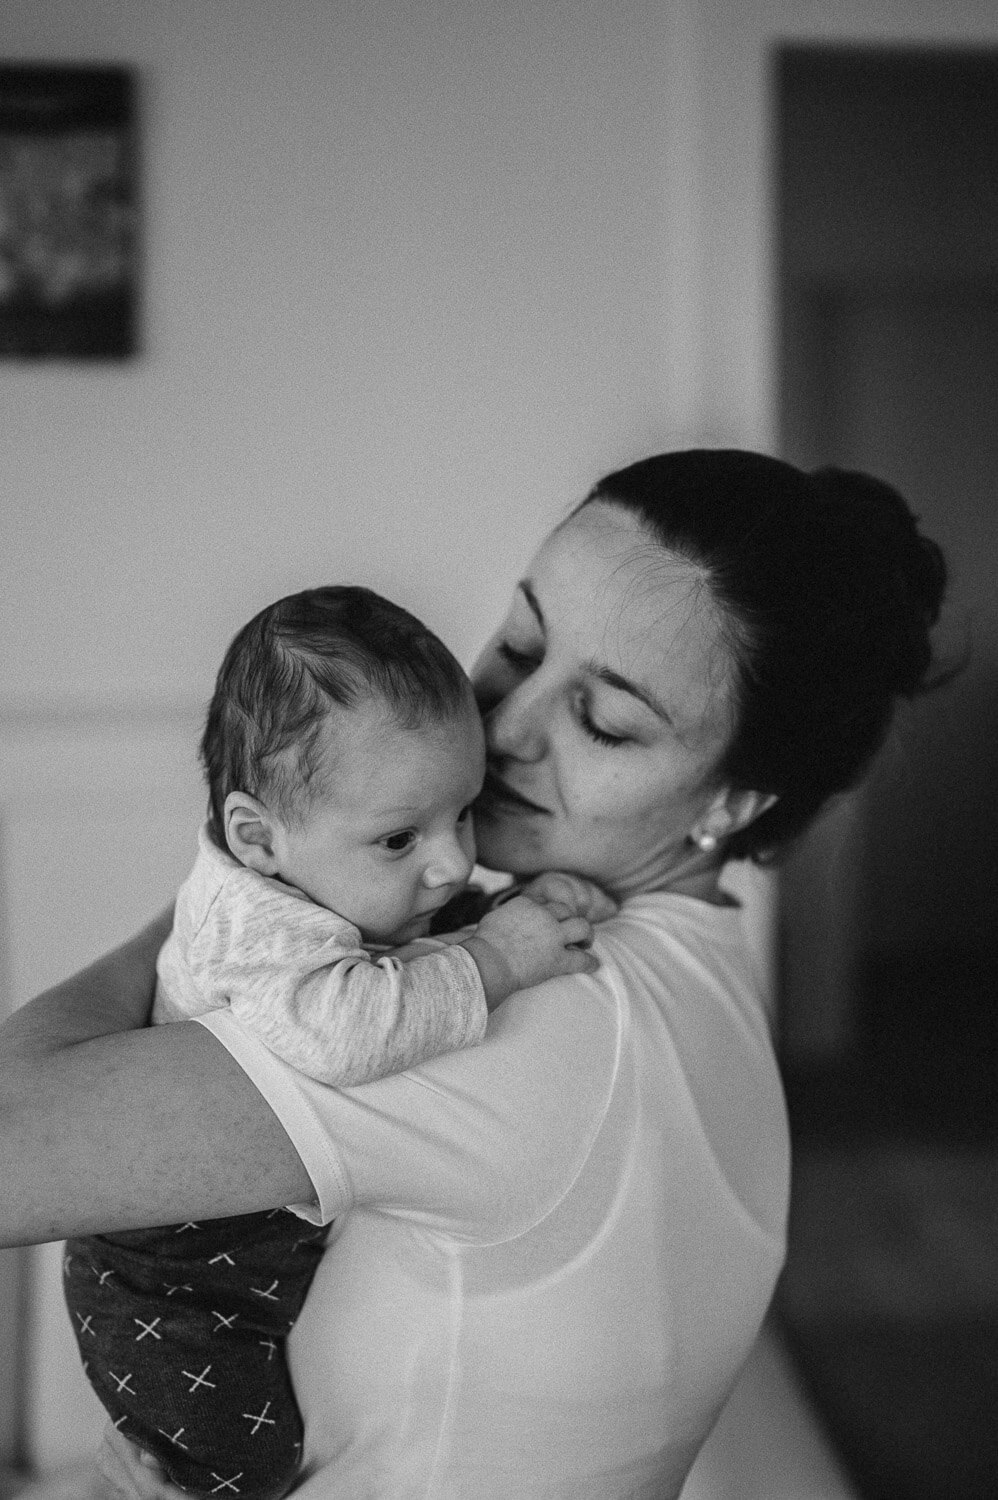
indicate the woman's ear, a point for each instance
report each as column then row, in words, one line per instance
column 729, row 811
column 249, row 833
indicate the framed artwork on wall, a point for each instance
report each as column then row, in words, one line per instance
column 68, row 212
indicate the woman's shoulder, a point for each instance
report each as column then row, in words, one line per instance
column 666, row 932
column 698, row 1004
column 727, row 940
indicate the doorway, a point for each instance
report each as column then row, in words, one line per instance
column 889, row 292
column 888, row 263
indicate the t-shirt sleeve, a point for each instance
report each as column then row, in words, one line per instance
column 477, row 1145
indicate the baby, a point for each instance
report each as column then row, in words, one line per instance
column 343, row 750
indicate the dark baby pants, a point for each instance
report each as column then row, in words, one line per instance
column 182, row 1333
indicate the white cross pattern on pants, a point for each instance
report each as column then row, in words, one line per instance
column 174, row 1437
column 258, row 1421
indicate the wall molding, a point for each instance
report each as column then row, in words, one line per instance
column 118, row 751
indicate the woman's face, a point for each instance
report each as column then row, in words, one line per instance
column 608, row 703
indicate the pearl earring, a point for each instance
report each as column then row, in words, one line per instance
column 707, row 842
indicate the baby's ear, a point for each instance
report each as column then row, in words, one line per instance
column 249, row 833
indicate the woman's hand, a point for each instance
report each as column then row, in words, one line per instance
column 124, row 1472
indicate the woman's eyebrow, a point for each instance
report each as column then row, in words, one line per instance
column 605, row 674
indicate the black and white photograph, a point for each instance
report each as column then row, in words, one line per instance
column 499, row 675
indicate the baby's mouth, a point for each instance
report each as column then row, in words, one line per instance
column 416, row 926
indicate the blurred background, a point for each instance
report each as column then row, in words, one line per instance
column 411, row 276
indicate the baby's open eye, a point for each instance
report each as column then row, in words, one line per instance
column 398, row 843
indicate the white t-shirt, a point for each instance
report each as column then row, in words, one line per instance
column 553, row 1251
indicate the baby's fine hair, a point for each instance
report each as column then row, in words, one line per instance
column 294, row 663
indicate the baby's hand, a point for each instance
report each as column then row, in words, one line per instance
column 571, row 896
column 521, row 943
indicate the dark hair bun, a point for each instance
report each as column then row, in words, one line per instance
column 899, row 574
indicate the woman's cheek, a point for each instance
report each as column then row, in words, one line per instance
column 601, row 796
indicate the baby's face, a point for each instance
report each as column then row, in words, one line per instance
column 391, row 840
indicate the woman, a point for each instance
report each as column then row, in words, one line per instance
column 551, row 1253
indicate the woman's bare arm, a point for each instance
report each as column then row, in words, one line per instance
column 108, row 1124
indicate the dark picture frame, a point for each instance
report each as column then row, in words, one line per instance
column 69, row 212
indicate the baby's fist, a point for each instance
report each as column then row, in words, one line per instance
column 522, row 942
column 575, row 895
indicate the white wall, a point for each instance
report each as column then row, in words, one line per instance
column 404, row 291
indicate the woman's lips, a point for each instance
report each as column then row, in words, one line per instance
column 497, row 791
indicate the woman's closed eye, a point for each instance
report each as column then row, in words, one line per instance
column 521, row 661
column 595, row 732
column 527, row 661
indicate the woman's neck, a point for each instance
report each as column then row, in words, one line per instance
column 694, row 873
column 701, row 885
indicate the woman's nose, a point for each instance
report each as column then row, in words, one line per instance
column 516, row 726
column 450, row 863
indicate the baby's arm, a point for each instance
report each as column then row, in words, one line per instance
column 353, row 1018
column 299, row 977
column 317, row 998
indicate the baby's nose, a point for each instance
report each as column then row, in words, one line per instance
column 449, row 865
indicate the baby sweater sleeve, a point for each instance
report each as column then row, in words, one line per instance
column 299, row 977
